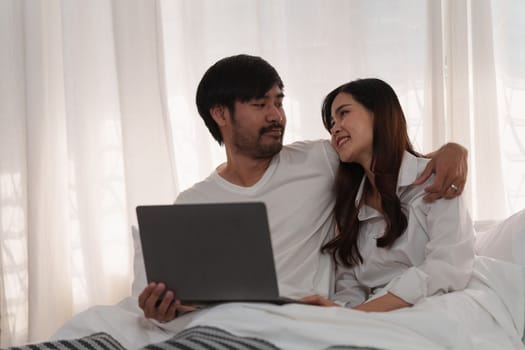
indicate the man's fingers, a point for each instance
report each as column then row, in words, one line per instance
column 164, row 305
column 430, row 197
column 174, row 309
column 454, row 189
column 171, row 313
column 155, row 295
column 162, row 308
column 146, row 294
column 186, row 308
column 150, row 306
column 461, row 187
column 425, row 174
column 446, row 190
column 450, row 167
column 438, row 186
column 450, row 193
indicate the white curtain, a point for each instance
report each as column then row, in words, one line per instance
column 82, row 141
column 97, row 115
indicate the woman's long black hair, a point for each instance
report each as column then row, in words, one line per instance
column 390, row 141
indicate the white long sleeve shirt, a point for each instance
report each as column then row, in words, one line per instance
column 434, row 255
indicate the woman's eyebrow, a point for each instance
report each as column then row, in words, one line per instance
column 342, row 106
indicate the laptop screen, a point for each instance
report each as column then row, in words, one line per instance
column 209, row 252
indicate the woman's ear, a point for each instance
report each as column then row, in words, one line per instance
column 218, row 113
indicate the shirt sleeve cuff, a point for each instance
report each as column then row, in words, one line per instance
column 342, row 303
column 411, row 286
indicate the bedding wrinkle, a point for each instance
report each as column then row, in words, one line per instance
column 487, row 315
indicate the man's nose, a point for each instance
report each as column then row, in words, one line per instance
column 274, row 114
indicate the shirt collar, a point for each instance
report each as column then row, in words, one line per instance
column 408, row 173
column 364, row 212
column 360, row 191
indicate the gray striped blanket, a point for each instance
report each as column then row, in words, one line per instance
column 195, row 338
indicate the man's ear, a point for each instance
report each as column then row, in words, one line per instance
column 218, row 113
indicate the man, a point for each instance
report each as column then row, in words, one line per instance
column 240, row 99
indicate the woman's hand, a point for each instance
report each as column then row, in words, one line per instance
column 318, row 300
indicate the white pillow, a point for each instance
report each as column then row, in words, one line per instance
column 505, row 241
column 139, row 272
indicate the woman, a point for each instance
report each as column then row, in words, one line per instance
column 392, row 248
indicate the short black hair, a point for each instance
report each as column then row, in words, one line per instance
column 235, row 78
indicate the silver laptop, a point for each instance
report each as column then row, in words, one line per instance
column 210, row 253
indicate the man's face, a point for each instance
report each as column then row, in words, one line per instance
column 258, row 125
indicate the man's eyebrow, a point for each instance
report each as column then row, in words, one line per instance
column 279, row 95
column 341, row 107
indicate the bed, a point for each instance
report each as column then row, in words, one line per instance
column 488, row 314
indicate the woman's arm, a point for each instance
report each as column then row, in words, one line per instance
column 387, row 302
column 447, row 256
column 348, row 291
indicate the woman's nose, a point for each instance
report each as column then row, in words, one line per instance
column 335, row 129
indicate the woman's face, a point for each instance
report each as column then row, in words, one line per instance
column 352, row 130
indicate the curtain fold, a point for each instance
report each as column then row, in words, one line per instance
column 49, row 299
column 146, row 127
column 487, row 156
column 470, row 114
column 97, row 116
column 85, row 139
column 509, row 51
column 13, row 177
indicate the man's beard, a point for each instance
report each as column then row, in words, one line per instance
column 254, row 147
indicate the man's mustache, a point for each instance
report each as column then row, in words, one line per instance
column 271, row 127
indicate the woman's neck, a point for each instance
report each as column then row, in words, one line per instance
column 371, row 194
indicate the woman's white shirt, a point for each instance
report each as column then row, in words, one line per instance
column 434, row 255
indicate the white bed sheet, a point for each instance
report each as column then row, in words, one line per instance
column 489, row 314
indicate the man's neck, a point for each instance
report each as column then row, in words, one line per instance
column 243, row 171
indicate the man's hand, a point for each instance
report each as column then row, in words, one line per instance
column 163, row 310
column 318, row 300
column 450, row 165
